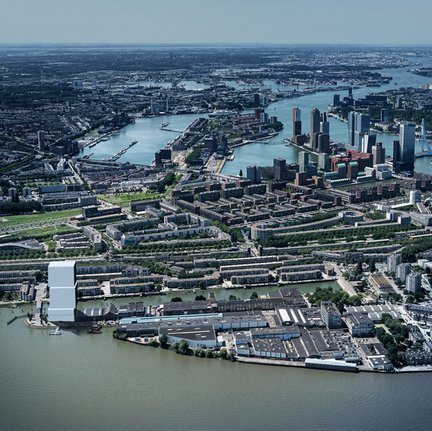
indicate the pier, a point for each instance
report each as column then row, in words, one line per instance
column 116, row 156
column 166, row 129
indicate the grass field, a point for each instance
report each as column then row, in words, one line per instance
column 35, row 218
column 123, row 199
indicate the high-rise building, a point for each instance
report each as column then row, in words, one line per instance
column 362, row 126
column 407, row 146
column 413, row 283
column 324, row 162
column 303, row 161
column 336, row 100
column 378, row 154
column 324, row 124
column 13, row 194
column 351, row 128
column 279, row 168
column 41, row 140
column 393, row 260
column 253, row 174
column 353, row 170
column 62, row 288
column 264, row 117
column 402, row 271
column 315, row 140
column 297, row 125
column 415, row 197
column 358, row 126
column 314, row 125
column 323, row 143
column 368, row 141
column 384, row 115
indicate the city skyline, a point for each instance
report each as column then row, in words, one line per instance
column 167, row 21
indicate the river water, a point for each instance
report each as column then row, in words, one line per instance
column 93, row 382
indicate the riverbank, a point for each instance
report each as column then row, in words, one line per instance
column 324, row 366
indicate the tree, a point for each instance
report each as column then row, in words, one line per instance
column 209, row 354
column 199, row 353
column 223, row 353
column 183, row 348
column 176, row 299
column 372, row 266
column 163, row 340
column 153, row 343
column 254, row 295
column 241, row 173
column 232, row 298
column 200, row 298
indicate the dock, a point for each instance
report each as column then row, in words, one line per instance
column 166, row 129
column 116, row 156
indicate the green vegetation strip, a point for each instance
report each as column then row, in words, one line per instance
column 37, row 218
column 124, row 199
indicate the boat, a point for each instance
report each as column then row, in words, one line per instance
column 96, row 329
column 56, row 332
column 165, row 124
column 222, row 113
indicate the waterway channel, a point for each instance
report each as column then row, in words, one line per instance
column 91, row 382
column 150, row 138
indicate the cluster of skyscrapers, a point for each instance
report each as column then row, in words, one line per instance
column 319, row 134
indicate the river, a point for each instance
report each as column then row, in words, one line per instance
column 92, row 382
column 150, row 138
column 262, row 154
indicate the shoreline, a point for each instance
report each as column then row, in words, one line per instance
column 298, row 364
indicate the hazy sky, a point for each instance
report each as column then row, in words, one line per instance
column 188, row 21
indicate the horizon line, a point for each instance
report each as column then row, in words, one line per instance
column 281, row 44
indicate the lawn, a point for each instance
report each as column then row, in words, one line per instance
column 35, row 218
column 123, row 199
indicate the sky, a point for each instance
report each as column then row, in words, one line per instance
column 375, row 22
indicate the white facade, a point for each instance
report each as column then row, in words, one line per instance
column 62, row 285
column 415, row 197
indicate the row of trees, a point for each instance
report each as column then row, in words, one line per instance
column 182, row 348
column 349, row 234
column 174, row 246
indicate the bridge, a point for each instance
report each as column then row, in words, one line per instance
column 426, row 147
